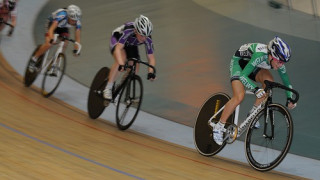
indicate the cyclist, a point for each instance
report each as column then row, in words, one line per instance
column 59, row 22
column 8, row 11
column 251, row 63
column 124, row 44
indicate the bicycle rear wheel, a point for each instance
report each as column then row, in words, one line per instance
column 30, row 77
column 53, row 76
column 268, row 145
column 95, row 100
column 202, row 130
column 129, row 102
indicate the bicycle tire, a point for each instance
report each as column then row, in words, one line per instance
column 30, row 77
column 129, row 102
column 50, row 83
column 95, row 101
column 263, row 151
column 203, row 138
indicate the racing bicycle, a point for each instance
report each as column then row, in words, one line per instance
column 53, row 67
column 265, row 146
column 126, row 96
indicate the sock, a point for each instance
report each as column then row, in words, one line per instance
column 34, row 59
column 109, row 85
column 221, row 124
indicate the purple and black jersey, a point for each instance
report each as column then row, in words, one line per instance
column 125, row 35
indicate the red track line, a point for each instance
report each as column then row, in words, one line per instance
column 125, row 139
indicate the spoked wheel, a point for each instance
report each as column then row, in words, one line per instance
column 95, row 100
column 30, row 76
column 129, row 102
column 268, row 145
column 53, row 76
column 203, row 136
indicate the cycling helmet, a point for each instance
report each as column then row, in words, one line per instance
column 143, row 25
column 74, row 12
column 12, row 4
column 279, row 49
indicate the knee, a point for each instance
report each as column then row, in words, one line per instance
column 238, row 98
column 47, row 45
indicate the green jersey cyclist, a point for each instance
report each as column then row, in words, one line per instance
column 251, row 63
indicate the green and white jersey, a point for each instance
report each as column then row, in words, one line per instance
column 247, row 61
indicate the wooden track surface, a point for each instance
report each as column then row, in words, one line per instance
column 44, row 138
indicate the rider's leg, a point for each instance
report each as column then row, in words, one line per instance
column 238, row 96
column 261, row 76
column 43, row 48
column 114, row 69
column 107, row 93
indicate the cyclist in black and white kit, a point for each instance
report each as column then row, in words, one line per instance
column 124, row 45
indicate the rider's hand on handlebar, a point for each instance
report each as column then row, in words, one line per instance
column 121, row 68
column 290, row 104
column 75, row 52
column 151, row 76
column 259, row 93
column 11, row 31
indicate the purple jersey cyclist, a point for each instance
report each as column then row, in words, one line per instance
column 124, row 45
column 59, row 22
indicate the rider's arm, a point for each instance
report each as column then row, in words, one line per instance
column 77, row 38
column 13, row 16
column 53, row 26
column 149, row 49
column 152, row 61
column 13, row 21
column 285, row 79
column 117, row 53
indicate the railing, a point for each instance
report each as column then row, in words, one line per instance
column 307, row 6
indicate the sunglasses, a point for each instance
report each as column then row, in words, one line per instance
column 278, row 61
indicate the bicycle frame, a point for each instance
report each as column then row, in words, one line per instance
column 131, row 73
column 243, row 126
column 46, row 62
column 264, row 105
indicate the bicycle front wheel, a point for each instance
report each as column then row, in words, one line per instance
column 30, row 76
column 53, row 76
column 129, row 102
column 202, row 130
column 268, row 145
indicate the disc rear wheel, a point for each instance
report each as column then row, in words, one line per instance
column 203, row 136
column 95, row 100
column 30, row 76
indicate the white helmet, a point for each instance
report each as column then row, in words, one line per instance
column 143, row 25
column 74, row 12
column 279, row 49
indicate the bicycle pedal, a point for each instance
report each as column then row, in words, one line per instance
column 53, row 74
column 106, row 102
